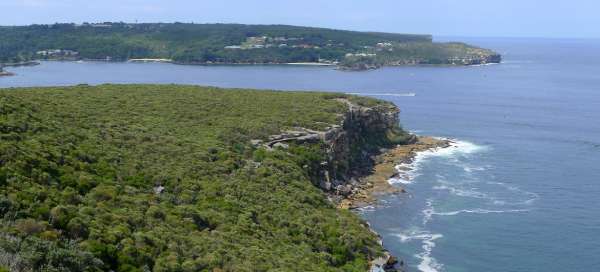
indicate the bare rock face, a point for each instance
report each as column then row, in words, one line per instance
column 350, row 145
column 350, row 148
column 325, row 185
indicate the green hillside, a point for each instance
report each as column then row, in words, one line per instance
column 164, row 178
column 225, row 43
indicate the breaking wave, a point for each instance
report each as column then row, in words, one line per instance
column 428, row 263
column 407, row 172
column 479, row 211
column 476, row 187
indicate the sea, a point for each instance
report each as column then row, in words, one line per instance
column 519, row 190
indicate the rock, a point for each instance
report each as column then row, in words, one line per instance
column 275, row 137
column 345, row 204
column 344, row 190
column 159, row 189
column 325, row 185
column 309, row 138
column 281, row 145
column 256, row 142
column 391, row 262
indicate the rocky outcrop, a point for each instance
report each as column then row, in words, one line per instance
column 350, row 146
column 362, row 134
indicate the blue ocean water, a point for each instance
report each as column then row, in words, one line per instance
column 519, row 191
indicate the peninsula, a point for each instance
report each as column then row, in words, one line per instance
column 185, row 43
column 185, row 178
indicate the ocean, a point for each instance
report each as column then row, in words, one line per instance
column 518, row 191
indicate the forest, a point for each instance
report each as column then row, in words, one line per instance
column 165, row 178
column 189, row 43
column 183, row 42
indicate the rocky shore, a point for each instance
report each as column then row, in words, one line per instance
column 371, row 187
column 376, row 185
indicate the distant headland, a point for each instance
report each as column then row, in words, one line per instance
column 206, row 44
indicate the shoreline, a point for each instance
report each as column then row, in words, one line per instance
column 19, row 64
column 313, row 64
column 4, row 73
column 372, row 187
column 375, row 185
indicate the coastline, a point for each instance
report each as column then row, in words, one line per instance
column 4, row 73
column 337, row 67
column 375, row 185
column 19, row 64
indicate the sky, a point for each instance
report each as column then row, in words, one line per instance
column 469, row 18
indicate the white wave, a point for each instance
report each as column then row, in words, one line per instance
column 516, row 199
column 479, row 211
column 532, row 197
column 365, row 209
column 428, row 212
column 408, row 94
column 462, row 192
column 409, row 171
column 428, row 263
column 457, row 148
column 471, row 169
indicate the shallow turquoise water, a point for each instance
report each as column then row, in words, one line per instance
column 519, row 192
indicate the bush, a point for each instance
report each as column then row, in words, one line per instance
column 90, row 160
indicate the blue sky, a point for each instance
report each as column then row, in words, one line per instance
column 496, row 18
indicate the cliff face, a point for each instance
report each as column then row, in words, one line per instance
column 363, row 132
column 349, row 146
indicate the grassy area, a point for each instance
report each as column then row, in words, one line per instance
column 81, row 167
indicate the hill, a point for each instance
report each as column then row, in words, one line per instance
column 183, row 178
column 230, row 43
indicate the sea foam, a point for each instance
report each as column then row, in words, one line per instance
column 479, row 211
column 409, row 171
column 463, row 192
column 428, row 263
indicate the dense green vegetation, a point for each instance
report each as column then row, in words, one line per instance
column 164, row 178
column 419, row 53
column 221, row 43
column 185, row 42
